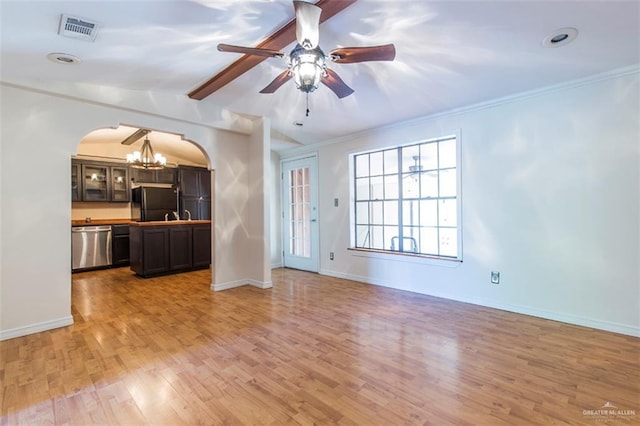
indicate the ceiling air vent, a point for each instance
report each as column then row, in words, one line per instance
column 76, row 27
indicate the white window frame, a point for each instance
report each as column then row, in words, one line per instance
column 405, row 255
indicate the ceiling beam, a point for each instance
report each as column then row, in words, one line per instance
column 135, row 136
column 277, row 41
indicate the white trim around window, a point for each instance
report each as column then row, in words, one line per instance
column 406, row 200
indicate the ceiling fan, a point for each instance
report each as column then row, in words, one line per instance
column 307, row 63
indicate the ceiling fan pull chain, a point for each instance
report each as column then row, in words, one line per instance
column 307, row 104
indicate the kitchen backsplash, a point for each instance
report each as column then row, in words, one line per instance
column 94, row 210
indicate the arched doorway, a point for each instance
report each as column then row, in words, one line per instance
column 107, row 144
column 104, row 188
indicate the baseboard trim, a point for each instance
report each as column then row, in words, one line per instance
column 276, row 265
column 229, row 285
column 518, row 309
column 240, row 283
column 36, row 328
column 261, row 284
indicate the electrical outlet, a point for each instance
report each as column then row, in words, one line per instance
column 495, row 277
column 335, row 202
column 331, row 256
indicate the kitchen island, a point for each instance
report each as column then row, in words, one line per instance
column 160, row 248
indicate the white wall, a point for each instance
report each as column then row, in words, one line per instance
column 276, row 211
column 97, row 210
column 550, row 193
column 40, row 133
column 259, row 198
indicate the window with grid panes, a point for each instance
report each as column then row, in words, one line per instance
column 406, row 199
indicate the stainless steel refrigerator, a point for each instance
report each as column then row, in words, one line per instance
column 153, row 203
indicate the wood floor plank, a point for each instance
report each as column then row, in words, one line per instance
column 311, row 350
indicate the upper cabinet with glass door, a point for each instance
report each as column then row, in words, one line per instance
column 92, row 181
column 76, row 182
column 120, row 184
column 95, row 183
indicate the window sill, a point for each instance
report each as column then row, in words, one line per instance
column 406, row 257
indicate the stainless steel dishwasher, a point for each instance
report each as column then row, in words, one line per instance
column 90, row 247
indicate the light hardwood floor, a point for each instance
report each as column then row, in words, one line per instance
column 312, row 350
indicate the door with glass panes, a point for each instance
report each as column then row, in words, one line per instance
column 300, row 214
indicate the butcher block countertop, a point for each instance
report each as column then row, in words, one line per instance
column 131, row 223
column 170, row 223
column 93, row 222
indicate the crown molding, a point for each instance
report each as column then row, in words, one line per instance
column 517, row 97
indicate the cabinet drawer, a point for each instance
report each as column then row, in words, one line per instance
column 120, row 229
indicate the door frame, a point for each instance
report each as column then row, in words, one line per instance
column 314, row 263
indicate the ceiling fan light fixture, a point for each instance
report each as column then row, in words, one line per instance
column 416, row 166
column 146, row 158
column 308, row 67
column 306, row 62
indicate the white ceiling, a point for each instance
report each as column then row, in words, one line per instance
column 449, row 53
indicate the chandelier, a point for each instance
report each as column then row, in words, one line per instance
column 146, row 158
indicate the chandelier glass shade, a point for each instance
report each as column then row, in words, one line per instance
column 308, row 67
column 146, row 158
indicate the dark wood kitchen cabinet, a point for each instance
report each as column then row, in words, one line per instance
column 194, row 181
column 168, row 175
column 120, row 245
column 76, row 181
column 119, row 188
column 195, row 192
column 158, row 248
column 201, row 246
column 180, row 248
column 143, row 175
column 199, row 207
column 149, row 250
column 95, row 181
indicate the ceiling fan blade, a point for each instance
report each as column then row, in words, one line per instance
column 278, row 40
column 349, row 55
column 281, row 79
column 222, row 47
column 335, row 83
column 307, row 24
column 135, row 136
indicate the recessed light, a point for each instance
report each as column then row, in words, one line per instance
column 63, row 58
column 560, row 37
